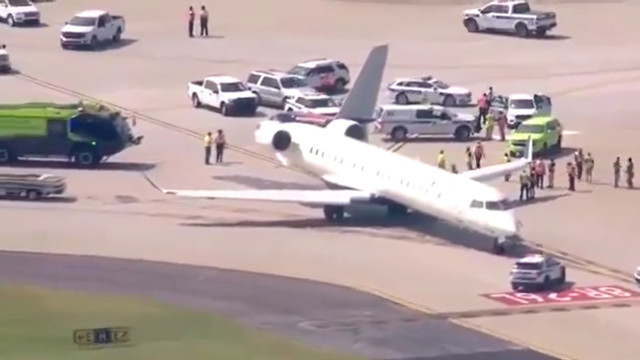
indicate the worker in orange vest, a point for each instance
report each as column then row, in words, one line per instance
column 192, row 18
column 541, row 171
column 221, row 143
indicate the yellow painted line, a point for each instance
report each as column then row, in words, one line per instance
column 463, row 323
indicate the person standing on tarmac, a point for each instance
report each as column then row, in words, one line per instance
column 491, row 123
column 578, row 158
column 502, row 125
column 221, row 143
column 478, row 154
column 208, row 140
column 507, row 159
column 204, row 21
column 589, row 163
column 483, row 110
column 192, row 18
column 552, row 174
column 532, row 181
column 630, row 173
column 524, row 185
column 616, row 172
column 571, row 173
column 442, row 160
column 541, row 171
column 469, row 155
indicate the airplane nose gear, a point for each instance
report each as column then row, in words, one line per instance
column 500, row 245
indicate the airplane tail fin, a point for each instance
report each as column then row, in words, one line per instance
column 528, row 152
column 360, row 103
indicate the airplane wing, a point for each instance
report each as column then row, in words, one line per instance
column 497, row 171
column 311, row 197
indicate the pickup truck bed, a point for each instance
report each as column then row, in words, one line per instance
column 32, row 186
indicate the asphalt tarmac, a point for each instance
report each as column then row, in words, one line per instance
column 321, row 315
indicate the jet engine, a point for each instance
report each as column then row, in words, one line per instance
column 281, row 140
column 348, row 128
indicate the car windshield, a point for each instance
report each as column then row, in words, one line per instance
column 528, row 265
column 320, row 103
column 292, row 82
column 530, row 129
column 299, row 71
column 82, row 21
column 19, row 3
column 233, row 87
column 521, row 104
column 440, row 84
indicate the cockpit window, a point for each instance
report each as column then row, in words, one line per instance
column 495, row 205
column 475, row 204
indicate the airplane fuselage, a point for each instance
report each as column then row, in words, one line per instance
column 418, row 186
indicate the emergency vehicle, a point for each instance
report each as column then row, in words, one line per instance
column 312, row 102
column 538, row 272
column 513, row 16
column 427, row 89
column 323, row 74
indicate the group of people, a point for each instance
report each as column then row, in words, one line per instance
column 488, row 120
column 220, row 142
column 473, row 158
column 204, row 21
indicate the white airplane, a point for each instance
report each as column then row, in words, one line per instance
column 358, row 172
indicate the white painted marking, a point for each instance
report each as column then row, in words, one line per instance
column 570, row 132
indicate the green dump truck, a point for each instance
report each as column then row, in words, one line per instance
column 83, row 133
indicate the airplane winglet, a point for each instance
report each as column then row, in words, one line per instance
column 529, row 149
column 153, row 184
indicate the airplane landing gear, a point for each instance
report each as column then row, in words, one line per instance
column 500, row 245
column 333, row 213
column 397, row 210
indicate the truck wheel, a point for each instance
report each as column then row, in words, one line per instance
column 399, row 133
column 541, row 33
column 117, row 36
column 471, row 25
column 563, row 277
column 462, row 133
column 195, row 100
column 224, row 109
column 94, row 43
column 558, row 145
column 85, row 158
column 258, row 99
column 449, row 101
column 10, row 21
column 521, row 30
column 546, row 283
column 33, row 194
column 402, row 99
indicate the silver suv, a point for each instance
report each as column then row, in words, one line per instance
column 323, row 74
column 273, row 88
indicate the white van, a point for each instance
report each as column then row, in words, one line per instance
column 401, row 121
column 19, row 12
column 521, row 107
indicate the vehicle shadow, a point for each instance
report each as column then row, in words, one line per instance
column 548, row 37
column 109, row 166
column 213, row 37
column 567, row 285
column 40, row 25
column 563, row 153
column 52, row 199
column 117, row 45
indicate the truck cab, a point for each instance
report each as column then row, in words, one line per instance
column 521, row 107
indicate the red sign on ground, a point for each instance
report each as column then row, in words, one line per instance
column 577, row 294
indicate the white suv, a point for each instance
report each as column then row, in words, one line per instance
column 540, row 272
column 19, row 12
column 273, row 88
column 313, row 102
column 323, row 74
column 427, row 89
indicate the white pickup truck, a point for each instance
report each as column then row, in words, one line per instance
column 510, row 16
column 19, row 12
column 91, row 28
column 225, row 93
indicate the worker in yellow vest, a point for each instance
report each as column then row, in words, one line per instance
column 442, row 160
column 490, row 124
column 208, row 140
column 507, row 159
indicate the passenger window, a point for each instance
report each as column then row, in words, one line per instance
column 475, row 204
column 57, row 128
column 501, row 9
column 270, row 83
column 424, row 114
column 101, row 21
column 445, row 116
column 210, row 85
column 253, row 79
column 324, row 69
